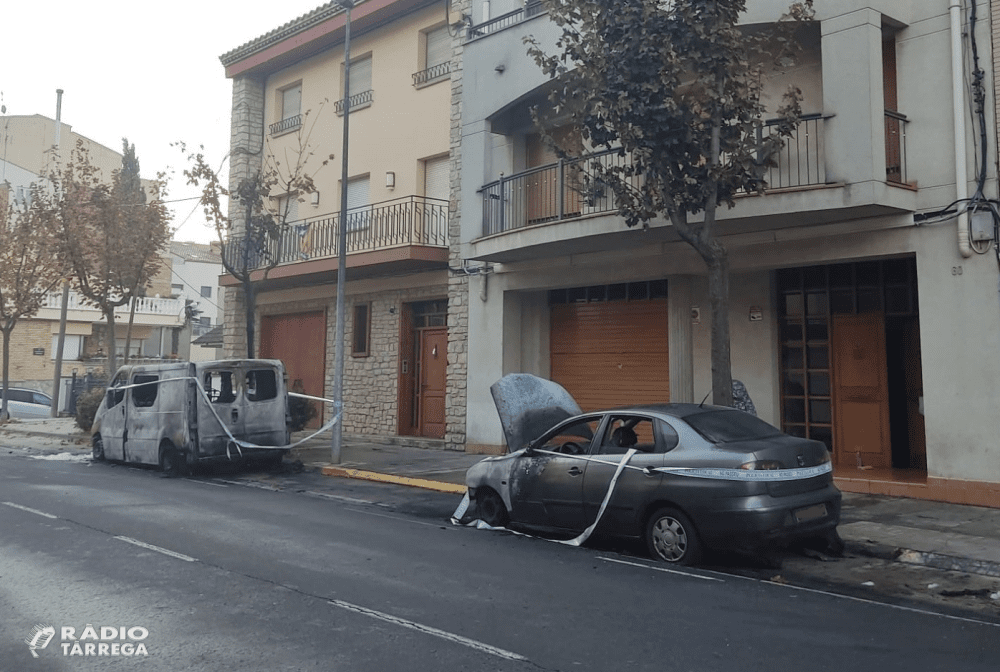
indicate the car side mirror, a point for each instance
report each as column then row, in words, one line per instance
column 529, row 451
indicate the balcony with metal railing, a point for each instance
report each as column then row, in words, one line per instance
column 531, row 8
column 573, row 188
column 401, row 235
column 432, row 74
column 286, row 125
column 357, row 102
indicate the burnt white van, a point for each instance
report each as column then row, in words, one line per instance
column 179, row 414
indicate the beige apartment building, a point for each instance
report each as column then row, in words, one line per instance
column 404, row 341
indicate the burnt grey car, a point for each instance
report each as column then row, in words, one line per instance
column 699, row 477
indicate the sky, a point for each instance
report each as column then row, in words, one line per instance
column 149, row 72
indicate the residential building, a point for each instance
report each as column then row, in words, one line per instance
column 29, row 141
column 863, row 309
column 404, row 338
column 194, row 278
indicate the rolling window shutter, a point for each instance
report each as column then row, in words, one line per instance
column 436, row 178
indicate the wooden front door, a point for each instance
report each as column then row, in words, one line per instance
column 861, row 390
column 432, row 381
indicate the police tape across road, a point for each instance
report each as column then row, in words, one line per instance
column 240, row 443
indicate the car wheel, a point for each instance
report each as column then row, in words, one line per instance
column 491, row 508
column 97, row 448
column 671, row 537
column 171, row 461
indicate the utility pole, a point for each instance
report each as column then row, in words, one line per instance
column 337, row 437
column 61, row 340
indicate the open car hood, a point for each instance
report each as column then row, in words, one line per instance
column 529, row 406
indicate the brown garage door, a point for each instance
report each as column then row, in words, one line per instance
column 612, row 353
column 298, row 340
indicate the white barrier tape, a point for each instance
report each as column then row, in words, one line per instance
column 723, row 474
column 576, row 541
column 604, row 505
column 240, row 443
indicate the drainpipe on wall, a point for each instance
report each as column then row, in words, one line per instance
column 958, row 108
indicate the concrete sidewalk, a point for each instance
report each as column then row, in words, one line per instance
column 918, row 532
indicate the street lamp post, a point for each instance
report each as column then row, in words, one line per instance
column 337, row 437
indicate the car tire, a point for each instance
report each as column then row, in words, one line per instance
column 171, row 461
column 492, row 510
column 97, row 448
column 672, row 537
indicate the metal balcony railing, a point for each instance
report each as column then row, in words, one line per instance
column 357, row 100
column 410, row 220
column 286, row 125
column 431, row 73
column 895, row 147
column 572, row 188
column 800, row 162
column 531, row 8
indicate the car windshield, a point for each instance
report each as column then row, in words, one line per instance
column 728, row 426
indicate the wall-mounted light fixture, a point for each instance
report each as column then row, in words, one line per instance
column 390, row 179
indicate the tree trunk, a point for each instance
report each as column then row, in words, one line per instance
column 109, row 315
column 128, row 332
column 718, row 294
column 250, row 305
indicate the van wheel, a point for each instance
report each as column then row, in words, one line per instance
column 97, row 448
column 171, row 461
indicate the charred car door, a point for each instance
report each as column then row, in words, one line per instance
column 635, row 488
column 144, row 418
column 225, row 403
column 113, row 418
column 546, row 488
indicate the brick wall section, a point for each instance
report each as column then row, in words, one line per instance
column 246, row 157
column 458, row 284
column 24, row 366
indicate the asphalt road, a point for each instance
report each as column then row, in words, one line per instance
column 339, row 575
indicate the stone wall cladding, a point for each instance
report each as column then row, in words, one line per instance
column 246, row 146
column 371, row 383
column 458, row 284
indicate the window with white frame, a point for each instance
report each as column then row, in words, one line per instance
column 358, row 202
column 361, row 85
column 437, row 183
column 289, row 102
column 72, row 346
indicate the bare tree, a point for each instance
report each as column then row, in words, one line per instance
column 28, row 268
column 111, row 238
column 250, row 242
